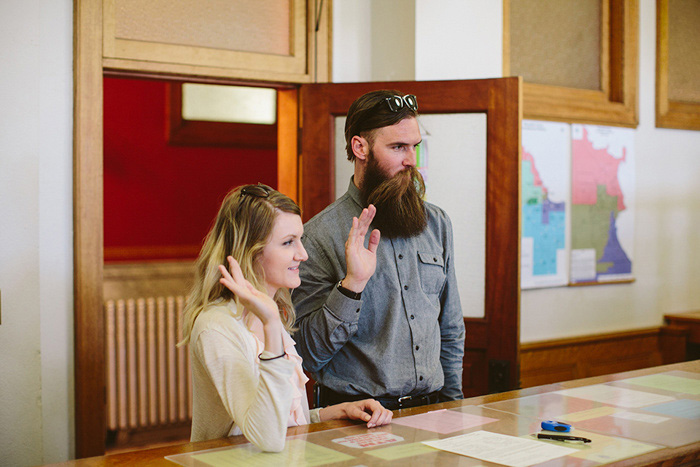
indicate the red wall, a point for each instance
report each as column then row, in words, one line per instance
column 160, row 200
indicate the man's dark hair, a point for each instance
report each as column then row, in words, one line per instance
column 370, row 112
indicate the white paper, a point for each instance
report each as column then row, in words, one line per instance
column 618, row 397
column 640, row 417
column 583, row 265
column 501, row 449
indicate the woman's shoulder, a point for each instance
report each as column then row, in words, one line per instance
column 220, row 317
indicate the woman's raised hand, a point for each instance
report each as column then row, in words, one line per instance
column 361, row 261
column 255, row 301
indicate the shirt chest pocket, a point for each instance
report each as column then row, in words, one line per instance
column 431, row 267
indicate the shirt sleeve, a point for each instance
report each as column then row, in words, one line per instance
column 326, row 319
column 260, row 406
column 452, row 331
column 315, row 415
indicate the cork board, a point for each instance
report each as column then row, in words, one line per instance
column 566, row 48
column 683, row 51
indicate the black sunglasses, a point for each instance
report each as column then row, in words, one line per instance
column 397, row 103
column 259, row 190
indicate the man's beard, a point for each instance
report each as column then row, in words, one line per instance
column 399, row 200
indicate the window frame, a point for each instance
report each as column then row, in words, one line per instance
column 616, row 103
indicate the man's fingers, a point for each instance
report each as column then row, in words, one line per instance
column 373, row 243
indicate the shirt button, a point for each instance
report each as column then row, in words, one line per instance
column 435, row 260
column 400, row 256
column 405, row 287
column 420, row 378
column 417, row 347
column 413, row 317
column 357, row 311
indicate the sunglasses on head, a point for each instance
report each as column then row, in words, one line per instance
column 259, row 190
column 397, row 103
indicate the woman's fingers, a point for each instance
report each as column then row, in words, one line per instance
column 236, row 271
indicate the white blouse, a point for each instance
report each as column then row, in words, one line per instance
column 234, row 392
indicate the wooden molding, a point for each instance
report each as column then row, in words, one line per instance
column 670, row 114
column 287, row 144
column 616, row 102
column 565, row 359
column 90, row 417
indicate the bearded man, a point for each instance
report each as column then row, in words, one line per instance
column 392, row 328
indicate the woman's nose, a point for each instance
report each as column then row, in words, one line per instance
column 302, row 255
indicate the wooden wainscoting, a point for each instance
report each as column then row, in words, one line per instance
column 566, row 359
column 149, row 395
column 147, row 279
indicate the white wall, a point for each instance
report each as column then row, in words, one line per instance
column 36, row 368
column 36, row 256
column 463, row 40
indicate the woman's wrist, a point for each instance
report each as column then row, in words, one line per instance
column 273, row 337
column 332, row 412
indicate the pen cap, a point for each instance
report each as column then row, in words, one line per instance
column 551, row 425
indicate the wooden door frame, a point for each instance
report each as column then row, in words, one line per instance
column 88, row 215
column 501, row 101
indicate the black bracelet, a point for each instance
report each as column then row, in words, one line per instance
column 271, row 358
column 347, row 292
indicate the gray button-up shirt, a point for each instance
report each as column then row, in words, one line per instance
column 405, row 336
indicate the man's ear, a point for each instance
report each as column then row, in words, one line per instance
column 360, row 147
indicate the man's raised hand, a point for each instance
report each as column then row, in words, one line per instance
column 361, row 261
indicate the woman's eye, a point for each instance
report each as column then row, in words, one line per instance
column 288, row 242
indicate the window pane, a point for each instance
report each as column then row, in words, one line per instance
column 234, row 104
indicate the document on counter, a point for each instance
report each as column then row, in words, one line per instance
column 620, row 397
column 667, row 382
column 296, row 452
column 443, row 421
column 501, row 449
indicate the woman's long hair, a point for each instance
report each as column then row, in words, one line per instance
column 242, row 228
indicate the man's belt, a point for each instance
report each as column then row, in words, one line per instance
column 330, row 397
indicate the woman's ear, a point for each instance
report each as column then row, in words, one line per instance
column 360, row 147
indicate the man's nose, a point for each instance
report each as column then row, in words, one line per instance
column 410, row 160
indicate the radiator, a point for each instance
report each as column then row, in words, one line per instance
column 148, row 377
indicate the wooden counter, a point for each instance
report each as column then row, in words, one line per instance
column 691, row 322
column 688, row 453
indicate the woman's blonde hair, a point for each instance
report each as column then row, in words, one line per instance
column 242, row 228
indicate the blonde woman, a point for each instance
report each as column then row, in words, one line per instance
column 247, row 376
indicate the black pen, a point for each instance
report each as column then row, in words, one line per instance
column 562, row 437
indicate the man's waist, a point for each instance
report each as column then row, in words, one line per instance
column 328, row 397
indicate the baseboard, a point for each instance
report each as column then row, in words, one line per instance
column 581, row 357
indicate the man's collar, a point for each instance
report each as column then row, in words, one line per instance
column 355, row 192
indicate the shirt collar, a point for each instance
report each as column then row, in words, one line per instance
column 355, row 192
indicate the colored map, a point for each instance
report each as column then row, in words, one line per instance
column 545, row 193
column 602, row 197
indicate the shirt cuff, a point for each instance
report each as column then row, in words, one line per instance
column 315, row 415
column 344, row 308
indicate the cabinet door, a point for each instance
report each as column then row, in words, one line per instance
column 247, row 39
column 473, row 133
